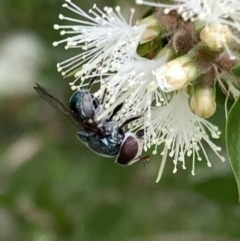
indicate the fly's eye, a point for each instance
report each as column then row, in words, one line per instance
column 75, row 101
column 129, row 150
column 83, row 104
column 89, row 105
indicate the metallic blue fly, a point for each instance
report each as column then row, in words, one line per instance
column 105, row 137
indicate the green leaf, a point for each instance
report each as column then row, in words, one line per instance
column 148, row 12
column 144, row 49
column 221, row 93
column 236, row 71
column 206, row 188
column 233, row 141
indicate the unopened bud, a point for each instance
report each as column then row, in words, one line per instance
column 152, row 31
column 202, row 102
column 167, row 53
column 176, row 74
column 198, row 25
column 216, row 37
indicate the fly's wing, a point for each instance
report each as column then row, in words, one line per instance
column 59, row 106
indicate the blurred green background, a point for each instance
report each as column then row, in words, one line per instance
column 53, row 188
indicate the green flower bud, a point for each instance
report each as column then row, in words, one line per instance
column 202, row 102
column 199, row 25
column 152, row 31
column 167, row 52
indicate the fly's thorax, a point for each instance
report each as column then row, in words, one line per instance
column 114, row 132
column 102, row 146
column 107, row 141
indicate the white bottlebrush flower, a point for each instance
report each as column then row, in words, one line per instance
column 225, row 12
column 180, row 132
column 104, row 38
column 135, row 86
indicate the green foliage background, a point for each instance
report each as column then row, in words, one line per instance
column 53, row 188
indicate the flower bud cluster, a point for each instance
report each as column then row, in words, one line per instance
column 204, row 35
